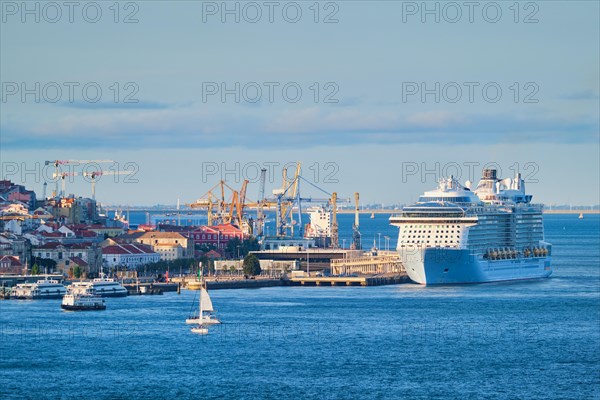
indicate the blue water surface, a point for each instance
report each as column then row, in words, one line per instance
column 528, row 340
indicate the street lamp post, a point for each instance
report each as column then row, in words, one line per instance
column 379, row 247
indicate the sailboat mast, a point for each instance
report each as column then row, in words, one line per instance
column 200, row 296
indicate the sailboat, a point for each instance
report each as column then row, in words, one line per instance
column 205, row 311
column 201, row 328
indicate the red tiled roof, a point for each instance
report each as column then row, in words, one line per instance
column 127, row 249
column 225, row 228
column 213, row 254
column 14, row 261
column 78, row 261
column 52, row 234
column 50, row 245
column 85, row 233
column 54, row 245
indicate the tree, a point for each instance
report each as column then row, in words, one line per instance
column 251, row 265
column 77, row 272
column 244, row 247
column 232, row 269
column 35, row 270
column 46, row 263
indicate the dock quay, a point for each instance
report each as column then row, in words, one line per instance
column 213, row 284
column 150, row 288
column 366, row 280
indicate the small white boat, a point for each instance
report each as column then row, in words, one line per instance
column 203, row 300
column 208, row 318
column 580, row 215
column 82, row 302
column 372, row 215
column 200, row 330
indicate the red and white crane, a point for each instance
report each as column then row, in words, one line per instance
column 59, row 174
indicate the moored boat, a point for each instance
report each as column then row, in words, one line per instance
column 42, row 289
column 455, row 235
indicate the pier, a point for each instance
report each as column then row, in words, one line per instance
column 376, row 280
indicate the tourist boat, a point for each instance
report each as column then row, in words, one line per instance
column 42, row 289
column 82, row 302
column 104, row 287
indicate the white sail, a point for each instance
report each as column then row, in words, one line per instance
column 205, row 299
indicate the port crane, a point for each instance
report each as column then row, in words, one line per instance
column 356, row 242
column 285, row 201
column 222, row 211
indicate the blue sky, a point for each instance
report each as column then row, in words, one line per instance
column 368, row 62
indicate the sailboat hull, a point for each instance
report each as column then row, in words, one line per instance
column 205, row 321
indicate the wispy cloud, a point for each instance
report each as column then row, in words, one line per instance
column 140, row 105
column 299, row 127
column 589, row 94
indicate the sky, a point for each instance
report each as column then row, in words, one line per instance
column 377, row 97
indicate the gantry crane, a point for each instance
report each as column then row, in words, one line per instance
column 222, row 211
column 356, row 242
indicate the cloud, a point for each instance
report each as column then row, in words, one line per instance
column 198, row 127
column 144, row 105
column 589, row 94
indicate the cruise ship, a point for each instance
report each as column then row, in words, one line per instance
column 104, row 287
column 42, row 289
column 457, row 235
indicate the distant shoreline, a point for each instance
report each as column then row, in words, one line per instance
column 342, row 211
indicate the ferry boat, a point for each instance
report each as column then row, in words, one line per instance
column 104, row 287
column 82, row 302
column 455, row 235
column 42, row 289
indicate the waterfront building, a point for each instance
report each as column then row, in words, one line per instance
column 170, row 245
column 130, row 256
column 10, row 265
column 216, row 236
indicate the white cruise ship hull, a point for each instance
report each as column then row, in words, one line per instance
column 440, row 266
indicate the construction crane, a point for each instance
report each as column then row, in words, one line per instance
column 58, row 163
column 97, row 174
column 62, row 176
